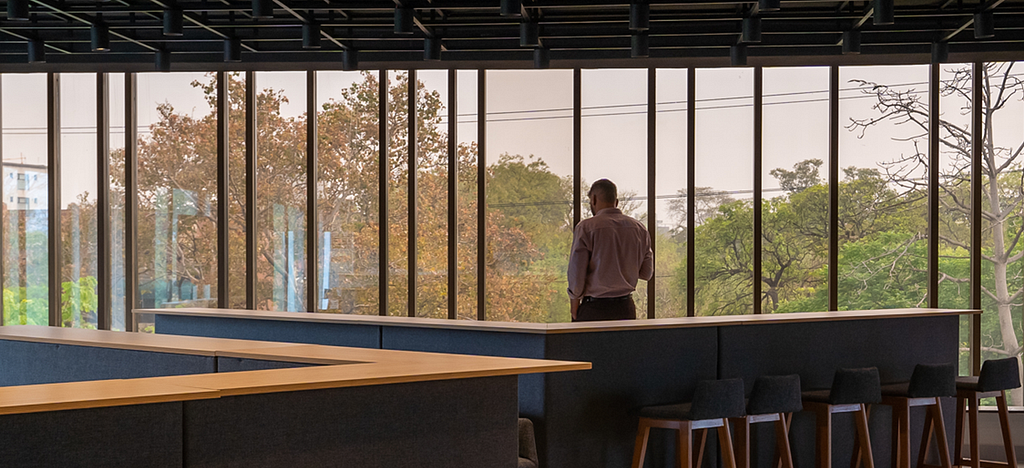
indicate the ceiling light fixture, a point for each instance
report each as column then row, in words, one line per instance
column 984, row 25
column 232, row 50
column 640, row 45
column 639, row 16
column 36, row 51
column 851, row 42
column 263, row 9
column 174, row 20
column 17, row 10
column 529, row 34
column 163, row 60
column 310, row 36
column 751, row 29
column 404, row 20
column 541, row 60
column 350, row 60
column 885, row 12
column 99, row 36
column 511, row 7
column 432, row 48
column 738, row 55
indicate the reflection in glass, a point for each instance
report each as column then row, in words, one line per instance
column 614, row 131
column 281, row 191
column 670, row 205
column 883, row 212
column 177, row 190
column 723, row 262
column 529, row 194
column 25, row 202
column 347, row 199
column 117, row 225
column 795, row 191
column 78, row 200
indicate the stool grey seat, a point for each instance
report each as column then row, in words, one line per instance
column 714, row 402
column 997, row 376
column 852, row 391
column 927, row 385
column 773, row 399
column 527, row 445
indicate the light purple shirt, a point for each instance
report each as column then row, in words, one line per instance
column 610, row 251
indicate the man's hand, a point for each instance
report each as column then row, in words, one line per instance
column 574, row 305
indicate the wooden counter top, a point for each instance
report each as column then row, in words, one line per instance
column 338, row 367
column 550, row 328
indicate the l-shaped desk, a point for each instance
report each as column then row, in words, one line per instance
column 72, row 397
column 588, row 419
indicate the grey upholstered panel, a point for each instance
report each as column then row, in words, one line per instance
column 469, row 423
column 138, row 436
column 341, row 334
column 26, row 363
column 231, row 364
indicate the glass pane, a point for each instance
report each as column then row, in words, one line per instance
column 883, row 212
column 670, row 205
column 78, row 200
column 177, row 190
column 466, row 85
column 398, row 198
column 724, row 184
column 955, row 197
column 117, row 226
column 347, row 197
column 614, row 131
column 794, row 214
column 281, row 191
column 236, row 190
column 1001, row 204
column 529, row 194
column 432, row 194
column 25, row 190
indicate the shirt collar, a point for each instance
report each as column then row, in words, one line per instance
column 611, row 210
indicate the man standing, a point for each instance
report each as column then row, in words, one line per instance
column 610, row 251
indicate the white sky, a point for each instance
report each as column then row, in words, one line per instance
column 530, row 112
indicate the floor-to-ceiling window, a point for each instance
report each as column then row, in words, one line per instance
column 670, row 205
column 281, row 193
column 25, row 200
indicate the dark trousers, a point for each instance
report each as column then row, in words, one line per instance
column 615, row 308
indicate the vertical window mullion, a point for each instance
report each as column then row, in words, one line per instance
column 103, row 241
column 933, row 185
column 250, row 190
column 223, row 153
column 53, row 187
column 312, row 218
column 652, row 150
column 481, row 196
column 577, row 146
column 411, row 233
column 691, row 188
column 833, row 189
column 977, row 133
column 758, row 187
column 382, row 190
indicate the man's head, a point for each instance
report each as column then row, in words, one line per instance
column 603, row 194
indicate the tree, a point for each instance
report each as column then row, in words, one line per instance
column 1002, row 194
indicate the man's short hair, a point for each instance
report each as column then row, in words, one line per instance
column 604, row 190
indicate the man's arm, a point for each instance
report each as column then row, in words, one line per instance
column 647, row 266
column 579, row 260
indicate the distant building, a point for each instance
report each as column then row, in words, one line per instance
column 25, row 186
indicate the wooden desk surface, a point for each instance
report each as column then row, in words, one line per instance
column 338, row 367
column 555, row 328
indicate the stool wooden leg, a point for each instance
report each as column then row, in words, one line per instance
column 926, row 439
column 643, row 432
column 725, row 442
column 856, row 455
column 698, row 455
column 972, row 425
column 897, row 437
column 782, row 441
column 742, row 442
column 958, row 441
column 684, row 446
column 904, row 434
column 824, row 431
column 861, row 418
column 940, row 434
column 1004, row 423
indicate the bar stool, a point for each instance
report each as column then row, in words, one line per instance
column 997, row 376
column 927, row 384
column 852, row 390
column 714, row 402
column 773, row 399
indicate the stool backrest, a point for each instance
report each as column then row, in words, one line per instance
column 775, row 394
column 715, row 399
column 933, row 380
column 999, row 374
column 851, row 386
